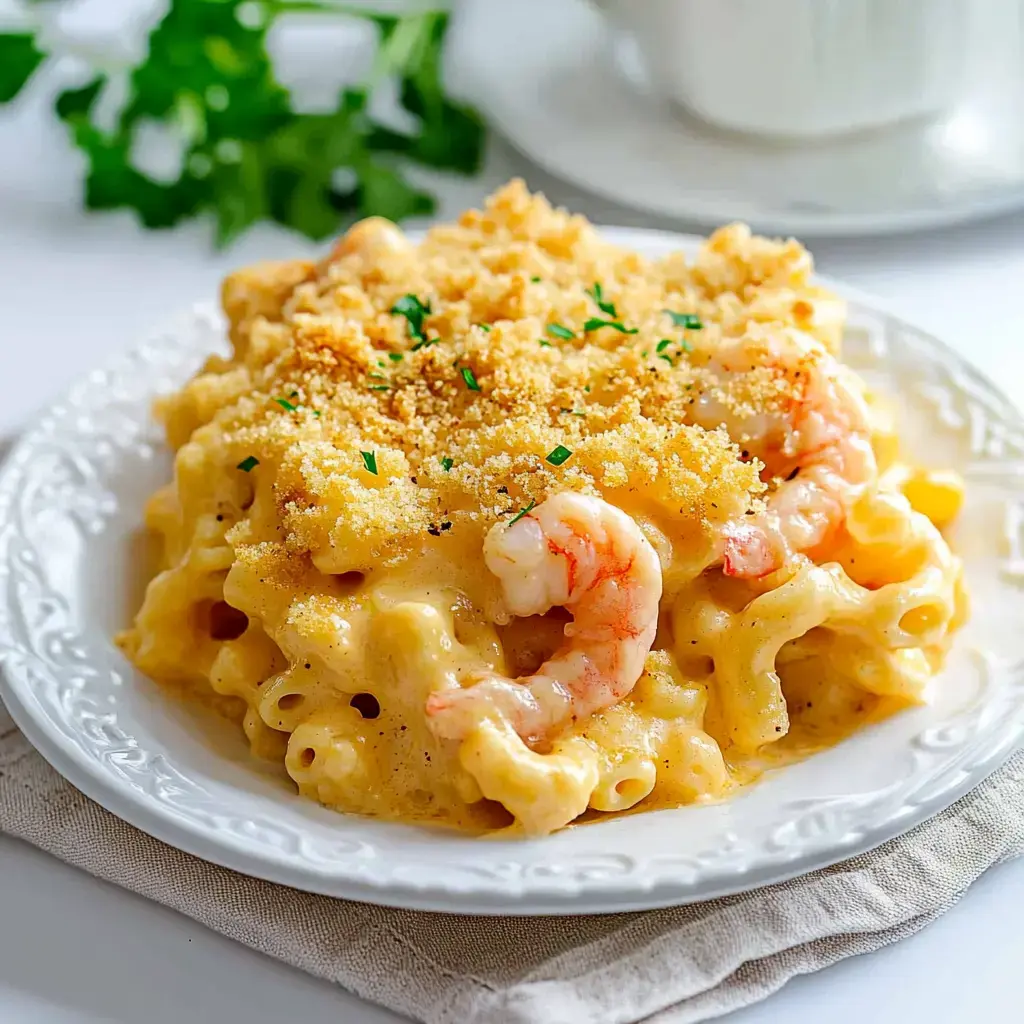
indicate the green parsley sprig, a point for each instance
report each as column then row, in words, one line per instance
column 690, row 321
column 248, row 155
column 560, row 331
column 600, row 301
column 415, row 312
column 522, row 512
column 596, row 323
column 558, row 455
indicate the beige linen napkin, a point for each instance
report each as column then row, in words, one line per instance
column 679, row 965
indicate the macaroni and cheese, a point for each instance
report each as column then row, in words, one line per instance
column 511, row 526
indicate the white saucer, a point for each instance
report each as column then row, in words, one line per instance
column 544, row 74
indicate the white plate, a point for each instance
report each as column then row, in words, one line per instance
column 543, row 74
column 71, row 496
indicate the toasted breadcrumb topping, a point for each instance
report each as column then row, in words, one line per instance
column 519, row 330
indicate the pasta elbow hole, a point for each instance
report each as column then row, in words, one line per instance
column 366, row 704
column 225, row 622
column 922, row 619
column 632, row 790
column 306, row 757
column 351, row 580
column 291, row 701
column 697, row 666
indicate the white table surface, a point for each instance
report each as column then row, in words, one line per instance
column 74, row 288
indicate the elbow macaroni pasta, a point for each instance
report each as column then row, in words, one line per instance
column 323, row 576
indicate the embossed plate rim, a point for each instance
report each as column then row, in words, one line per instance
column 531, row 886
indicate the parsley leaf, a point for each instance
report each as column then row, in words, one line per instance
column 247, row 464
column 598, row 296
column 395, row 357
column 447, row 463
column 544, row 344
column 285, row 404
column 370, row 462
column 522, row 512
column 19, row 58
column 595, row 324
column 467, row 376
column 688, row 320
column 558, row 331
column 558, row 455
column 415, row 312
column 207, row 78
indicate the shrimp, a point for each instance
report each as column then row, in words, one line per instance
column 811, row 429
column 591, row 558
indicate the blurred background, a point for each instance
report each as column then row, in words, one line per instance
column 148, row 146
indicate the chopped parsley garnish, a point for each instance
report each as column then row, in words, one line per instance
column 377, row 376
column 423, row 343
column 688, row 320
column 558, row 331
column 522, row 512
column 316, row 413
column 395, row 357
column 370, row 462
column 485, row 327
column 573, row 412
column 668, row 359
column 544, row 344
column 596, row 323
column 285, row 404
column 248, row 463
column 467, row 376
column 558, row 455
column 380, row 387
column 415, row 312
column 664, row 344
column 535, row 278
column 602, row 304
column 447, row 463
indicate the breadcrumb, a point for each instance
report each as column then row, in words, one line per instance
column 461, row 363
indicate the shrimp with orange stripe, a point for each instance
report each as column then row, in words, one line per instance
column 794, row 406
column 587, row 556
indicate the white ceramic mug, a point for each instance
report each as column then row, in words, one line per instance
column 802, row 68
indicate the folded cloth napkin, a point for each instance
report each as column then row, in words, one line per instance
column 678, row 965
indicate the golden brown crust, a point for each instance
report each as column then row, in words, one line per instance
column 324, row 370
